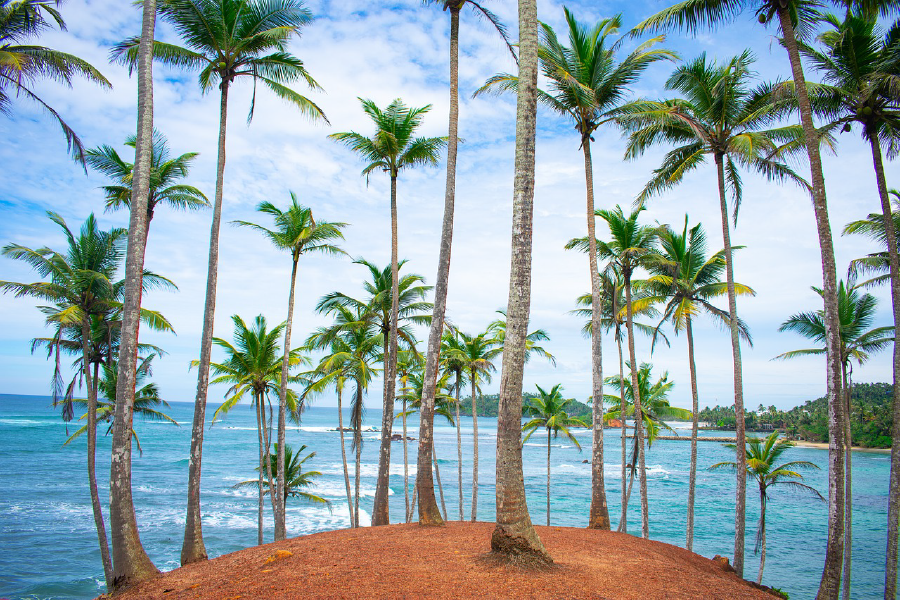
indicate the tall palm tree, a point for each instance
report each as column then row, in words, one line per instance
column 392, row 149
column 588, row 85
column 253, row 365
column 514, row 534
column 858, row 66
column 226, row 40
column 687, row 281
column 794, row 17
column 25, row 63
column 409, row 361
column 629, row 247
column 166, row 173
column 761, row 456
column 428, row 510
column 614, row 317
column 476, row 354
column 82, row 288
column 352, row 352
column 452, row 355
column 549, row 411
column 722, row 117
column 858, row 342
column 653, row 411
column 297, row 232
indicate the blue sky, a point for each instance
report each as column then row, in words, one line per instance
column 360, row 49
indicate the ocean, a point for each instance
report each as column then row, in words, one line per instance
column 48, row 544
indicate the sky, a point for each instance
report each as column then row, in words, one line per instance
column 382, row 51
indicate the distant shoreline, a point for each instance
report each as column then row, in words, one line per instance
column 824, row 446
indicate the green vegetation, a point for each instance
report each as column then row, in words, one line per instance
column 489, row 404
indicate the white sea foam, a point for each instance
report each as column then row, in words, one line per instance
column 229, row 520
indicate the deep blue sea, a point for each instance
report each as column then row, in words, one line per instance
column 48, row 544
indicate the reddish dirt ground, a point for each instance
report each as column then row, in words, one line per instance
column 408, row 561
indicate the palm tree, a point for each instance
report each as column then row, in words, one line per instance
column 627, row 250
column 393, row 148
column 82, row 288
column 587, row 85
column 793, row 16
column 498, row 328
column 452, row 353
column 857, row 68
column 428, row 511
column 225, row 40
column 296, row 480
column 253, row 364
column 514, row 535
column 409, row 361
column 722, row 117
column 687, row 280
column 164, row 179
column 761, row 456
column 297, row 232
column 614, row 317
column 25, row 64
column 549, row 411
column 858, row 342
column 875, row 263
column 352, row 352
column 654, row 408
column 476, row 354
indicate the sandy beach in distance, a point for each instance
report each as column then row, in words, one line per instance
column 824, row 446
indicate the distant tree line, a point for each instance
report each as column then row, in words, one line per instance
column 489, row 404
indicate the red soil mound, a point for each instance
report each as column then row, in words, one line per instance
column 408, row 561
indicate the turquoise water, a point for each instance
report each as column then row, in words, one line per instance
column 48, row 544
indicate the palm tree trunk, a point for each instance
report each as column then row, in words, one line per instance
column 131, row 564
column 428, row 510
column 459, row 448
column 193, row 549
column 474, row 451
column 267, row 443
column 623, row 520
column 762, row 528
column 514, row 534
column 599, row 512
column 548, row 477
column 740, row 432
column 848, row 487
column 692, row 484
column 437, row 474
column 834, row 550
column 259, row 434
column 280, row 529
column 357, row 436
column 405, row 464
column 344, row 457
column 638, row 411
column 890, row 574
column 381, row 510
column 92, row 455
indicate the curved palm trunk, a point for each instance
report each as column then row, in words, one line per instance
column 458, row 449
column 848, row 488
column 193, row 548
column 623, row 520
column 834, row 550
column 599, row 512
column 130, row 562
column 381, row 510
column 474, row 452
column 548, row 478
column 344, row 458
column 267, row 443
column 92, row 455
column 280, row 529
column 689, row 543
column 437, row 475
column 514, row 535
column 762, row 529
column 740, row 434
column 260, row 426
column 405, row 465
column 357, row 438
column 428, row 510
column 890, row 573
column 638, row 411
